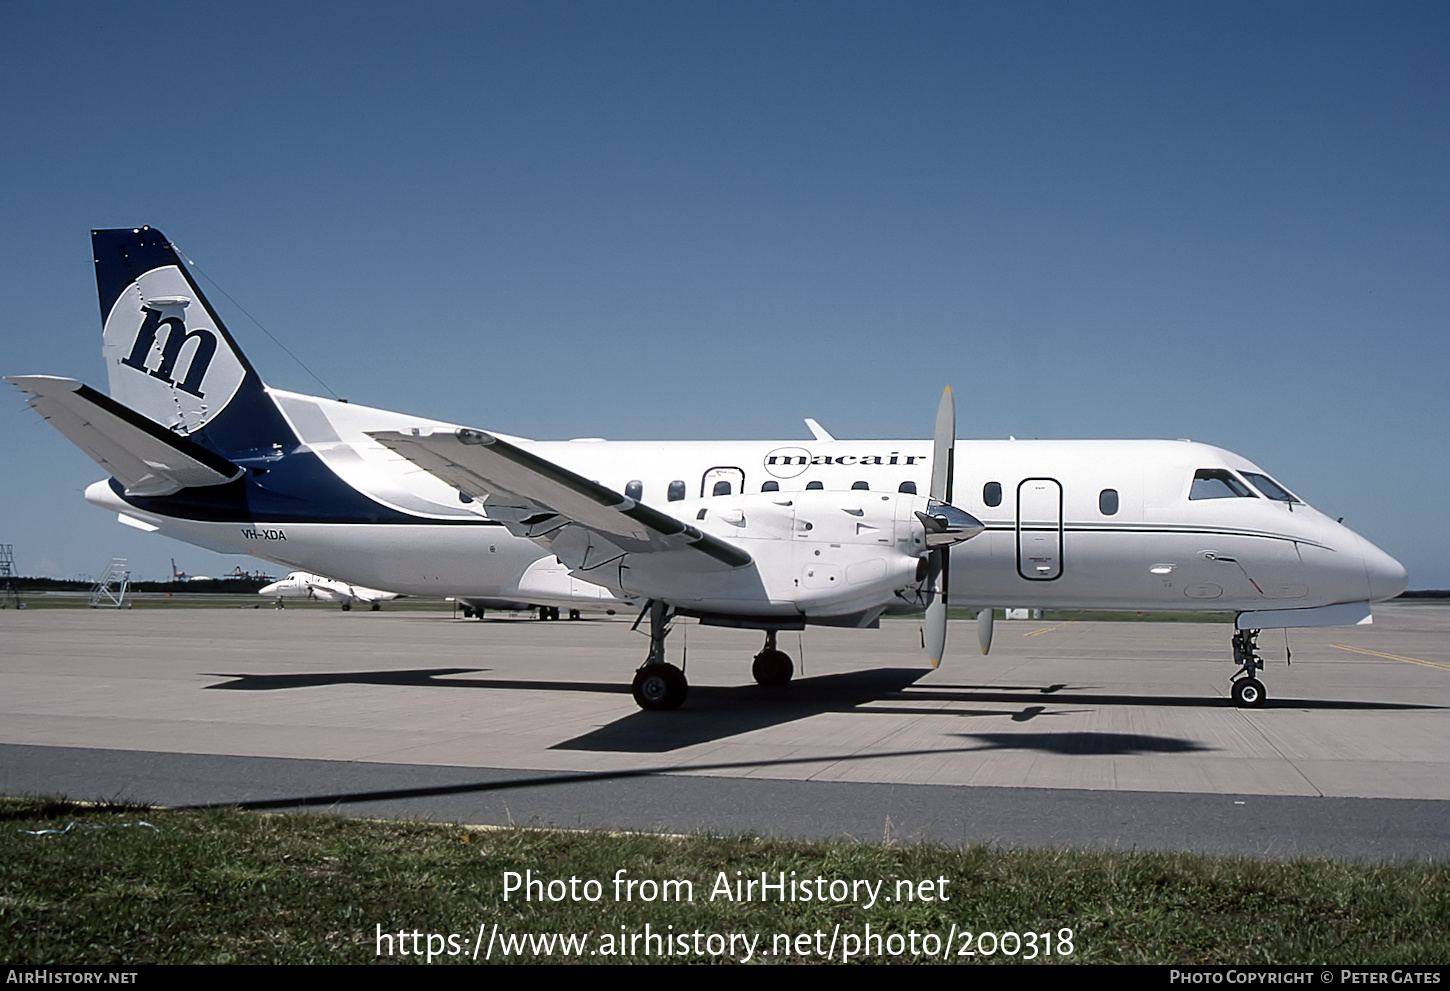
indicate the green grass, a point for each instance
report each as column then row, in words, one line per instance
column 223, row 886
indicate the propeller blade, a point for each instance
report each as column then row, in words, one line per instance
column 984, row 629
column 944, row 439
column 934, row 626
column 943, row 442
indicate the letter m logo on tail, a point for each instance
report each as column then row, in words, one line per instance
column 167, row 354
column 176, row 337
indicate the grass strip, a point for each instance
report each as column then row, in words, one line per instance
column 234, row 887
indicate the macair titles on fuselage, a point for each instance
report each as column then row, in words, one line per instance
column 788, row 462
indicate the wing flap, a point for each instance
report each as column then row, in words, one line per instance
column 142, row 455
column 585, row 523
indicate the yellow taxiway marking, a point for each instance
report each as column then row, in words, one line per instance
column 1393, row 657
column 1049, row 629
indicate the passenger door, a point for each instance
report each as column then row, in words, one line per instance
column 1039, row 529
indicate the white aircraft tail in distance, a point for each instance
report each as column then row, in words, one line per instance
column 765, row 535
column 320, row 588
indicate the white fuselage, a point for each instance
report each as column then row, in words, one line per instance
column 1084, row 524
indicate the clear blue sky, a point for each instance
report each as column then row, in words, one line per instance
column 1224, row 221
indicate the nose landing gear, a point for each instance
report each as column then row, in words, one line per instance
column 1248, row 690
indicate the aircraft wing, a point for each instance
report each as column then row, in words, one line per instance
column 142, row 455
column 583, row 523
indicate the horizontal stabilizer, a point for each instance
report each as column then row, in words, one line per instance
column 142, row 455
column 549, row 504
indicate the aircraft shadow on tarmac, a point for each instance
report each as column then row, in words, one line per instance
column 1087, row 744
column 713, row 713
column 1080, row 743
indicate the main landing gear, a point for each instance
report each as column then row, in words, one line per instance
column 550, row 613
column 772, row 668
column 1248, row 690
column 659, row 685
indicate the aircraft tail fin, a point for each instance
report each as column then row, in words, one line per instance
column 168, row 355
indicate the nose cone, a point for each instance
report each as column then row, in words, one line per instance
column 1387, row 577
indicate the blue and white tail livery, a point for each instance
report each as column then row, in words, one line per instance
column 767, row 535
column 167, row 355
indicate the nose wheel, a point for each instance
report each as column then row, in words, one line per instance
column 1248, row 693
column 1248, row 690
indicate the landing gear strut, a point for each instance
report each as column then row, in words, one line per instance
column 772, row 668
column 659, row 685
column 1248, row 690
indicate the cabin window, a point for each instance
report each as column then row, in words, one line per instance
column 909, row 488
column 814, row 485
column 992, row 494
column 1217, row 483
column 770, row 486
column 634, row 490
column 722, row 487
column 858, row 486
column 701, row 514
column 1108, row 502
column 1270, row 488
column 677, row 490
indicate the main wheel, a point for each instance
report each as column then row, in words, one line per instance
column 660, row 687
column 346, row 606
column 772, row 668
column 1249, row 693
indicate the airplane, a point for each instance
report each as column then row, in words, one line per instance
column 319, row 588
column 763, row 535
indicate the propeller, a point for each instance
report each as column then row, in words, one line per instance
column 939, row 559
column 944, row 525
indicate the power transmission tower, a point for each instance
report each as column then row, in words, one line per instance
column 11, row 594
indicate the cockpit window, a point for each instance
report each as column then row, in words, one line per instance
column 1271, row 488
column 1216, row 483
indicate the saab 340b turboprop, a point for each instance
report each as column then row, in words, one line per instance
column 320, row 588
column 762, row 535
